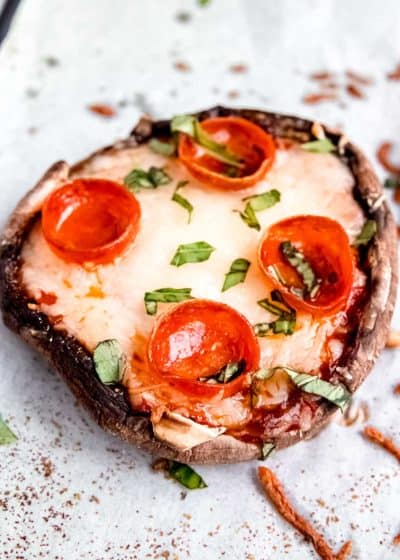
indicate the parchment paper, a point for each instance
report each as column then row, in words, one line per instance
column 68, row 490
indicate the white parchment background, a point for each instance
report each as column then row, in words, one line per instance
column 101, row 500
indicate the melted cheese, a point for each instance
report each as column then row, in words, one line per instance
column 107, row 302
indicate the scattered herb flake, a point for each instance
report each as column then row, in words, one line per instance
column 266, row 450
column 366, row 234
column 108, row 361
column 188, row 124
column 181, row 200
column 167, row 148
column 237, row 273
column 192, row 253
column 186, row 476
column 139, row 179
column 262, row 201
column 7, row 436
column 286, row 322
column 257, row 203
column 322, row 146
column 297, row 260
column 165, row 295
column 392, row 183
column 336, row 394
column 226, row 374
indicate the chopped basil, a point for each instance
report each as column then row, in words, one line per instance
column 203, row 2
column 191, row 126
column 257, row 203
column 297, row 260
column 336, row 394
column 165, row 295
column 226, row 374
column 192, row 253
column 181, row 200
column 163, row 148
column 183, row 123
column 186, row 476
column 249, row 217
column 263, row 200
column 366, row 234
column 7, row 436
column 267, row 450
column 286, row 322
column 392, row 183
column 237, row 273
column 108, row 361
column 139, row 179
column 322, row 146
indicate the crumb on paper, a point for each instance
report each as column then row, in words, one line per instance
column 102, row 109
column 182, row 66
column 394, row 339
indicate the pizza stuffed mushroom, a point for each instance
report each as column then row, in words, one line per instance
column 211, row 288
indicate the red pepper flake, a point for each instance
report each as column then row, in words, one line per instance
column 383, row 154
column 276, row 494
column 396, row 539
column 394, row 75
column 47, row 466
column 321, row 76
column 233, row 94
column 182, row 66
column 239, row 68
column 359, row 78
column 377, row 437
column 355, row 91
column 102, row 109
column 315, row 98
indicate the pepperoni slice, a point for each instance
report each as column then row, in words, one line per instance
column 90, row 220
column 253, row 148
column 197, row 339
column 325, row 247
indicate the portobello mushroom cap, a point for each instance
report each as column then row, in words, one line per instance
column 109, row 405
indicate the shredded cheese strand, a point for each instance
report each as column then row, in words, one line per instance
column 276, row 494
column 377, row 437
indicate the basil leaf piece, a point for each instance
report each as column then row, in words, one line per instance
column 257, row 203
column 249, row 217
column 296, row 259
column 165, row 295
column 262, row 201
column 237, row 273
column 366, row 234
column 322, row 146
column 139, row 179
column 109, row 361
column 192, row 253
column 181, row 200
column 183, row 123
column 392, row 183
column 186, row 476
column 266, row 450
column 286, row 322
column 336, row 394
column 226, row 374
column 7, row 436
column 191, row 126
column 167, row 148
